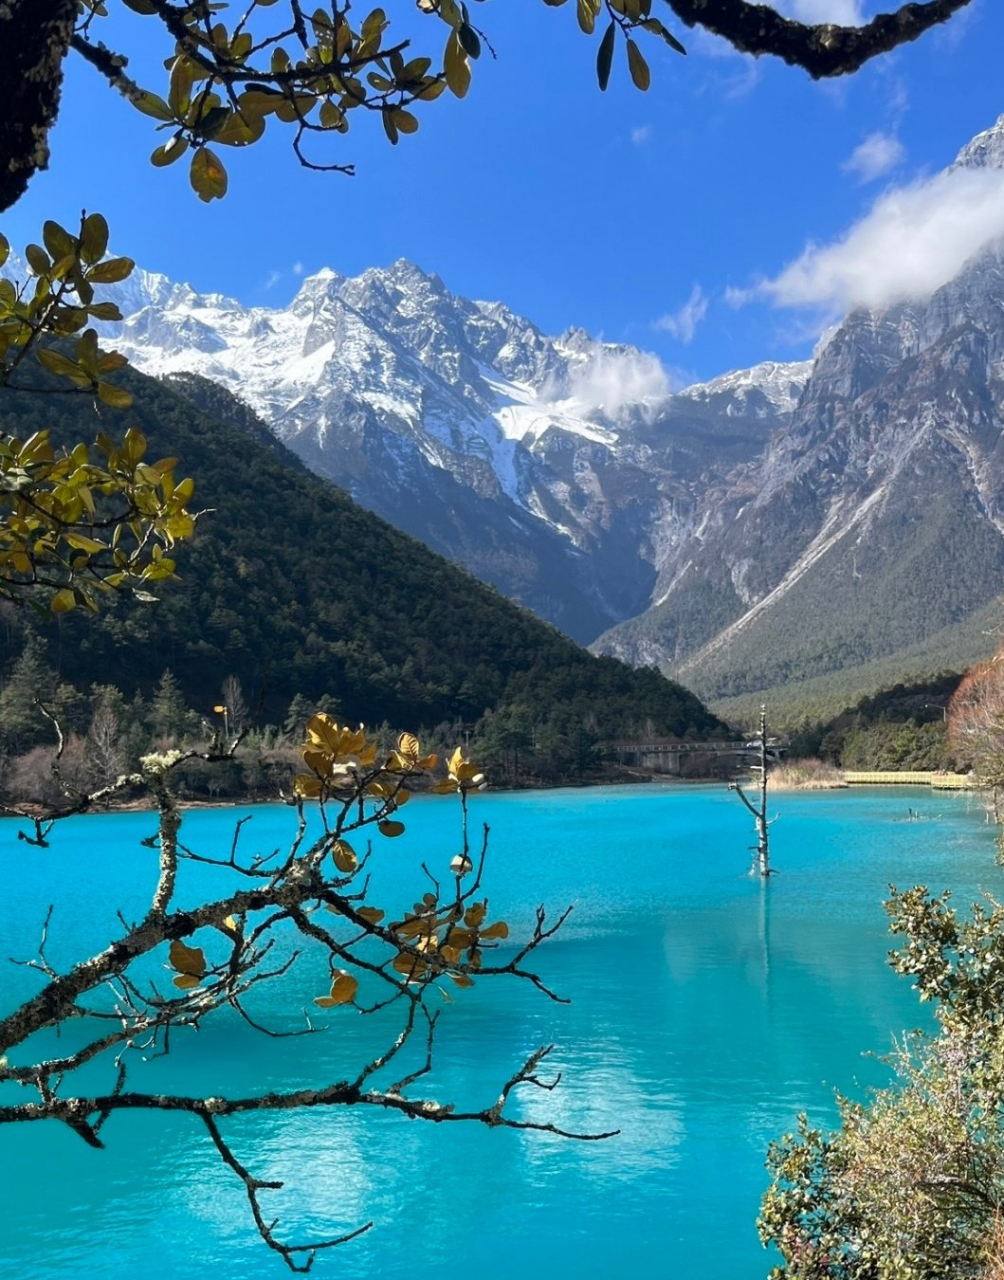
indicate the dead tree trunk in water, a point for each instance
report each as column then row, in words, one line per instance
column 761, row 859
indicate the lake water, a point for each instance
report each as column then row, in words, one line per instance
column 707, row 1010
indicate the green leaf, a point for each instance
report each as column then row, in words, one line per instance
column 468, row 37
column 208, row 176
column 238, row 132
column 111, row 361
column 58, row 240
column 212, row 123
column 389, row 127
column 331, row 116
column 586, row 12
column 116, row 397
column 638, row 67
column 657, row 28
column 151, row 105
column 405, row 121
column 169, row 152
column 456, row 68
column 38, row 259
column 105, row 311
column 605, row 56
column 4, row 249
column 94, row 238
column 111, row 271
column 62, row 367
column 180, row 95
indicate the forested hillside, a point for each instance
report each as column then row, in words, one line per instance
column 296, row 591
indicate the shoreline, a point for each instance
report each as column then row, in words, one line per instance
column 931, row 780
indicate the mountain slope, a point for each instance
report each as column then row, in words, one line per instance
column 554, row 468
column 872, row 524
column 295, row 589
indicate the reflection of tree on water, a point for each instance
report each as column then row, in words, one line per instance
column 764, row 915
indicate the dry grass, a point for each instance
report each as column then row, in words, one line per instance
column 994, row 1269
column 806, row 775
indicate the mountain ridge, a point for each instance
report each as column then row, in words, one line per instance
column 740, row 532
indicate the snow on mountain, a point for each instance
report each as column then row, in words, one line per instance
column 568, row 472
column 870, row 530
column 985, row 151
column 780, row 385
column 548, row 465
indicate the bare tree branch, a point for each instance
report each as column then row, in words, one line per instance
column 822, row 50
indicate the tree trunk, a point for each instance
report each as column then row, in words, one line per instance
column 35, row 38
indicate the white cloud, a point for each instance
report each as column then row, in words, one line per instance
column 297, row 268
column 272, row 279
column 641, row 134
column 611, row 380
column 913, row 240
column 740, row 73
column 874, row 157
column 682, row 324
column 737, row 297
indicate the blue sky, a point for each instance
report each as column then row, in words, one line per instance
column 648, row 218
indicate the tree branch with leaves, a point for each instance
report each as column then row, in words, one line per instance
column 232, row 69
column 312, row 898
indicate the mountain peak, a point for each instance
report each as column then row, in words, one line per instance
column 985, row 151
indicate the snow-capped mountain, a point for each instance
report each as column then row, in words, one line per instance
column 772, row 524
column 554, row 467
column 872, row 525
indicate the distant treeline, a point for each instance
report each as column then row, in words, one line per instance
column 308, row 601
column 106, row 730
column 902, row 727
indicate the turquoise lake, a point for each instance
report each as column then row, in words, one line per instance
column 707, row 1010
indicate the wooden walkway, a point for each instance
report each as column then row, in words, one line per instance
column 911, row 778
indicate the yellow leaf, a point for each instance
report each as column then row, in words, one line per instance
column 317, row 759
column 343, row 988
column 475, row 914
column 207, row 175
column 63, row 601
column 497, row 930
column 372, row 915
column 188, row 960
column 306, row 787
column 390, row 828
column 344, row 856
column 462, row 979
column 407, row 744
column 411, row 966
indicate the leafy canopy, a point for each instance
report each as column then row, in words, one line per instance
column 78, row 521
